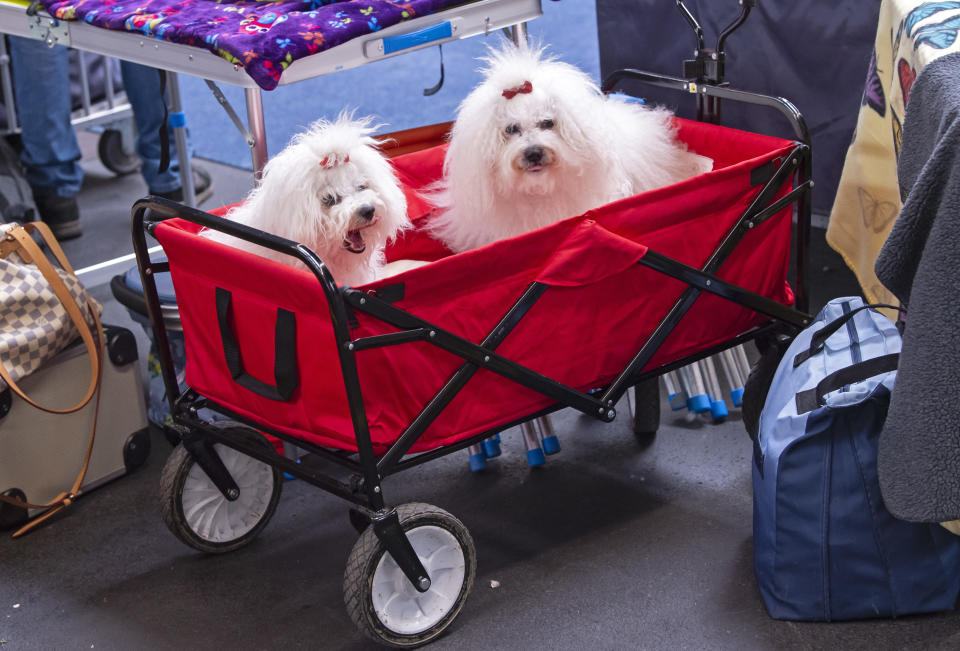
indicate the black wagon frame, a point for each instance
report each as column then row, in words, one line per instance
column 364, row 488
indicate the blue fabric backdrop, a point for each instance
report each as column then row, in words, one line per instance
column 814, row 53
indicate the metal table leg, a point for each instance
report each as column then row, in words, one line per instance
column 519, row 34
column 258, row 130
column 180, row 138
column 6, row 87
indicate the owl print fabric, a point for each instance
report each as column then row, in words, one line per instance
column 910, row 34
column 262, row 37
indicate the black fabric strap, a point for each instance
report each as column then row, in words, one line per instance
column 820, row 336
column 285, row 352
column 812, row 399
column 164, row 131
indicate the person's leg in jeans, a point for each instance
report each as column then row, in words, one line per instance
column 51, row 155
column 142, row 85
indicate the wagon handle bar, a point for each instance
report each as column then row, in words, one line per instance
column 170, row 209
column 784, row 106
column 693, row 23
column 745, row 7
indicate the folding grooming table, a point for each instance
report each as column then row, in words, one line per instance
column 453, row 23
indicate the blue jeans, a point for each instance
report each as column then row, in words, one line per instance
column 51, row 155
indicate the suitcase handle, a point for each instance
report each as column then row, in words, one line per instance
column 813, row 398
column 819, row 338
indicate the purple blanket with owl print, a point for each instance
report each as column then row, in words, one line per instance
column 263, row 37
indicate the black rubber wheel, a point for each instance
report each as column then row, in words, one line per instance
column 12, row 516
column 113, row 156
column 200, row 516
column 379, row 598
column 646, row 410
column 758, row 383
column 136, row 449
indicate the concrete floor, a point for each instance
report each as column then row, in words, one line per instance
column 611, row 545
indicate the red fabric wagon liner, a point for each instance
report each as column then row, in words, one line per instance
column 598, row 311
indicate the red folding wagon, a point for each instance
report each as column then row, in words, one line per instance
column 390, row 375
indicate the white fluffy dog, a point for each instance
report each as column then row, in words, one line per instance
column 332, row 190
column 536, row 142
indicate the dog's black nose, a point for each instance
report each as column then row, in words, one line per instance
column 533, row 155
column 366, row 212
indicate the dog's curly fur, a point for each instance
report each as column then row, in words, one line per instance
column 519, row 163
column 332, row 190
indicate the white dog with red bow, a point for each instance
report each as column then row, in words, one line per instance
column 332, row 190
column 537, row 142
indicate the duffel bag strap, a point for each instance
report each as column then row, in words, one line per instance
column 813, row 398
column 819, row 338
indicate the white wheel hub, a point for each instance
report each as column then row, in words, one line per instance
column 398, row 605
column 215, row 518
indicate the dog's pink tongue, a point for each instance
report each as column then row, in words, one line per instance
column 354, row 242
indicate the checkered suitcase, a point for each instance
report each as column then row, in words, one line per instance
column 41, row 453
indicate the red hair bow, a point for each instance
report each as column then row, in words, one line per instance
column 510, row 93
column 332, row 161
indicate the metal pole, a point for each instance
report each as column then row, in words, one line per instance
column 532, row 440
column 109, row 65
column 698, row 384
column 718, row 407
column 258, row 130
column 697, row 400
column 180, row 138
column 7, row 88
column 741, row 356
column 84, row 83
column 548, row 437
column 732, row 370
column 709, row 371
column 674, row 391
column 519, row 34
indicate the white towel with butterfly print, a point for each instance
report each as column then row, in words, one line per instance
column 910, row 35
column 919, row 456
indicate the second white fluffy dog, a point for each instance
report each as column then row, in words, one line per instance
column 536, row 142
column 332, row 190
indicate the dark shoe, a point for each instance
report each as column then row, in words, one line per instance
column 61, row 214
column 202, row 187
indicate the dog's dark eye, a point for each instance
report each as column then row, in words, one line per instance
column 362, row 187
column 329, row 200
column 545, row 124
column 512, row 129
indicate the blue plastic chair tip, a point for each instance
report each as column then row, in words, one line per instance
column 491, row 448
column 551, row 445
column 536, row 457
column 718, row 409
column 699, row 403
column 737, row 397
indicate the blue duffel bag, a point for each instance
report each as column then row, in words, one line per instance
column 825, row 546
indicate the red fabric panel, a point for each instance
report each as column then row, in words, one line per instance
column 589, row 254
column 599, row 310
